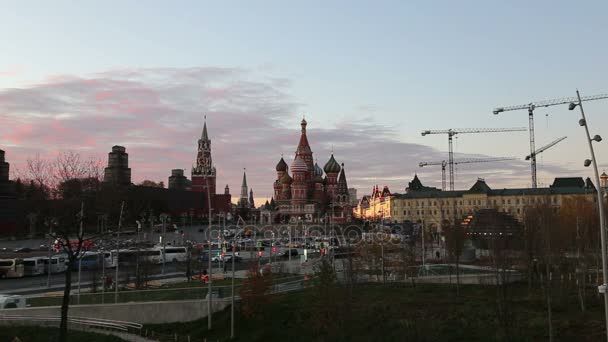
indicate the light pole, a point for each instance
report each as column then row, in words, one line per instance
column 117, row 253
column 50, row 222
column 163, row 218
column 232, row 300
column 596, row 138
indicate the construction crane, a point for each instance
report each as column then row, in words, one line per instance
column 533, row 105
column 453, row 131
column 443, row 164
column 542, row 149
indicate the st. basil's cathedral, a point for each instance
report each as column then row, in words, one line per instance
column 311, row 193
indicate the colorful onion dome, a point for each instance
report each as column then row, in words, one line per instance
column 332, row 166
column 282, row 165
column 286, row 179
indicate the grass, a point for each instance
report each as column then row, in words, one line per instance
column 46, row 334
column 194, row 289
column 398, row 312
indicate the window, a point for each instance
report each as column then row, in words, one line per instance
column 508, row 201
column 503, row 201
column 517, row 201
column 494, row 202
column 448, row 211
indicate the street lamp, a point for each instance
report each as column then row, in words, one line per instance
column 583, row 122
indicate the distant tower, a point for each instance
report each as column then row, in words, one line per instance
column 177, row 180
column 604, row 180
column 203, row 174
column 118, row 171
column 4, row 168
column 243, row 201
column 251, row 202
column 226, row 190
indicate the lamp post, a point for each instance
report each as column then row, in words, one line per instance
column 50, row 222
column 163, row 218
column 596, row 138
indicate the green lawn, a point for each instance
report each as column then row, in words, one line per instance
column 402, row 312
column 44, row 334
column 194, row 289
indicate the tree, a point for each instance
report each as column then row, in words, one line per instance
column 455, row 237
column 254, row 292
column 578, row 219
column 152, row 184
column 325, row 301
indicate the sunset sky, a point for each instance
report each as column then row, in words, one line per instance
column 369, row 76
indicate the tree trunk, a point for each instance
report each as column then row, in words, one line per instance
column 457, row 275
column 548, row 295
column 65, row 303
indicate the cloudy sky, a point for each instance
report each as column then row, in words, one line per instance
column 368, row 76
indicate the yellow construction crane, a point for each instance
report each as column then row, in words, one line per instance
column 533, row 105
column 453, row 131
column 443, row 164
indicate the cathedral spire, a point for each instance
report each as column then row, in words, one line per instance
column 243, row 201
column 251, row 203
column 204, row 136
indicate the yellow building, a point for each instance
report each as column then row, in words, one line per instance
column 437, row 208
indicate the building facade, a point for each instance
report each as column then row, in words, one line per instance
column 437, row 208
column 310, row 193
column 8, row 199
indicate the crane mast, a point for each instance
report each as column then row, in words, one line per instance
column 531, row 107
column 443, row 164
column 453, row 131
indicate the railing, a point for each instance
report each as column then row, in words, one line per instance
column 127, row 327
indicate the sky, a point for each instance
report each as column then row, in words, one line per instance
column 368, row 76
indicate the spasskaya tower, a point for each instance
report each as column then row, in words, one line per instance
column 203, row 174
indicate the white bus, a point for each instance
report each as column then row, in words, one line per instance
column 59, row 263
column 33, row 266
column 152, row 255
column 175, row 254
column 11, row 268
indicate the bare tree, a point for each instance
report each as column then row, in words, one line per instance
column 455, row 237
column 39, row 170
column 69, row 234
column 69, row 165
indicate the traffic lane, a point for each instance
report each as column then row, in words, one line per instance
column 88, row 276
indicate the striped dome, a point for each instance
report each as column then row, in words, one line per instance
column 299, row 165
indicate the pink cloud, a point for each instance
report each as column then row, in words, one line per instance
column 157, row 115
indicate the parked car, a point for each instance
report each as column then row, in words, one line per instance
column 22, row 250
column 169, row 227
column 293, row 252
column 11, row 301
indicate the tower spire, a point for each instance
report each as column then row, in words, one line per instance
column 204, row 136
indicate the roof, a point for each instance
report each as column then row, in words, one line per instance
column 568, row 182
column 416, row 185
column 480, row 187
